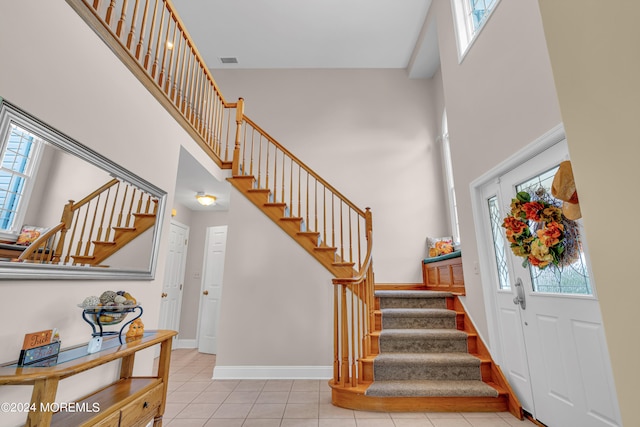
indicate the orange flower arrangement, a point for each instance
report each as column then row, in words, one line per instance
column 546, row 245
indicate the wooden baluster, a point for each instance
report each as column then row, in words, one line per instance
column 104, row 212
column 291, row 188
column 188, row 88
column 282, row 197
column 299, row 192
column 266, row 177
column 197, row 110
column 96, row 4
column 359, row 245
column 124, row 201
column 156, row 57
column 324, row 214
column 336, row 336
column 107, row 19
column 129, row 215
column 167, row 85
column 132, row 28
column 333, row 221
column 175, row 76
column 275, row 174
column 113, row 210
column 350, row 237
column 209, row 103
column 236, row 149
column 306, row 213
column 179, row 102
column 341, row 234
column 167, row 46
column 315, row 204
column 354, row 376
column 253, row 132
column 140, row 44
column 121, row 21
column 91, row 228
column 345, row 337
column 147, row 56
column 80, row 243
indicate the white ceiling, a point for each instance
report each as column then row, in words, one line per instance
column 268, row 34
column 310, row 33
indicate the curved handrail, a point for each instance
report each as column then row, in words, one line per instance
column 362, row 275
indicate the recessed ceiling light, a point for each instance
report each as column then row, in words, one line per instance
column 229, row 60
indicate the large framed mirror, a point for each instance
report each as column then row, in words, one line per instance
column 67, row 212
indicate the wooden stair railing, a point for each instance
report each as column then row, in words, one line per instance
column 354, row 305
column 96, row 227
column 326, row 222
column 152, row 41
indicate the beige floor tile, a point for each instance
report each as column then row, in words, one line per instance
column 374, row 422
column 278, row 385
column 198, row 410
column 337, row 422
column 233, row 410
column 173, row 409
column 186, row 422
column 301, row 410
column 211, row 397
column 331, row 411
column 267, row 410
column 412, row 422
column 237, row 422
column 273, row 397
column 299, row 422
column 257, row 422
column 242, row 397
column 450, row 422
column 304, row 397
column 182, row 396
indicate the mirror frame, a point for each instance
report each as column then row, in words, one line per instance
column 10, row 270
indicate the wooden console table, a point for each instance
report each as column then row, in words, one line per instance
column 128, row 402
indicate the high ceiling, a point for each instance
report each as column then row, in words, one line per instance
column 312, row 33
column 268, row 34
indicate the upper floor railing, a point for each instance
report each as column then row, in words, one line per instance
column 150, row 38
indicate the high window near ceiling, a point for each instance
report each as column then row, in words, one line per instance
column 470, row 16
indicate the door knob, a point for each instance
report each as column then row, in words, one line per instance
column 163, row 295
column 520, row 299
column 205, row 292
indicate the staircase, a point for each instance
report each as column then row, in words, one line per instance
column 294, row 226
column 414, row 353
column 429, row 359
column 96, row 227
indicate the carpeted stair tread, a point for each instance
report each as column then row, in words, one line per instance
column 412, row 294
column 431, row 388
column 422, row 341
column 434, row 334
column 433, row 359
column 426, row 366
column 418, row 318
column 418, row 312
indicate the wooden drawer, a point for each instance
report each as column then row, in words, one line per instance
column 143, row 408
column 112, row 420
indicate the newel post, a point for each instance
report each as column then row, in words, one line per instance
column 235, row 167
column 368, row 220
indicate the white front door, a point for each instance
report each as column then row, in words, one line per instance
column 171, row 297
column 550, row 327
column 211, row 288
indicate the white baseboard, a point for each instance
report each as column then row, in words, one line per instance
column 272, row 372
column 178, row 343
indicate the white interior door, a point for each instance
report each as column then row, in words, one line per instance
column 171, row 297
column 552, row 315
column 211, row 289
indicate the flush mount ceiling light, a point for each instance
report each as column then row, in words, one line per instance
column 205, row 199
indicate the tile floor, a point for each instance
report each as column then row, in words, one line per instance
column 195, row 400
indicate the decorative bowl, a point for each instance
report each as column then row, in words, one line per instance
column 110, row 315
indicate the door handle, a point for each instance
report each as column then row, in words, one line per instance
column 205, row 292
column 163, row 295
column 520, row 298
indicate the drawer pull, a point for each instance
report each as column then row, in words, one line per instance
column 145, row 405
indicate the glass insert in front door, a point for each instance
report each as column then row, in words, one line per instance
column 570, row 276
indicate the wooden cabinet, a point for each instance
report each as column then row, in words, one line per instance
column 128, row 402
column 444, row 275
